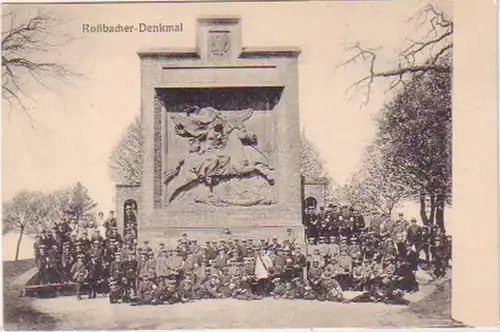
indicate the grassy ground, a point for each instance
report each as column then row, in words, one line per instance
column 18, row 313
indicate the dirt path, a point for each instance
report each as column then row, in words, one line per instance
column 229, row 313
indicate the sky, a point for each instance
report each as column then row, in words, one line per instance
column 78, row 124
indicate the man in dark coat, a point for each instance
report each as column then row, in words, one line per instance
column 94, row 268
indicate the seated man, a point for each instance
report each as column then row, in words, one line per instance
column 210, row 289
column 115, row 291
column 145, row 291
column 330, row 288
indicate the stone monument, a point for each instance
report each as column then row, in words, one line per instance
column 221, row 138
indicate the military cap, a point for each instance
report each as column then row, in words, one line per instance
column 145, row 275
column 236, row 240
column 41, row 246
column 80, row 256
column 295, row 279
column 276, row 280
column 150, row 253
column 194, row 240
column 207, row 242
column 400, row 214
column 214, row 241
column 321, row 208
column 118, row 253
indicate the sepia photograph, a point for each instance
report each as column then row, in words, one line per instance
column 228, row 165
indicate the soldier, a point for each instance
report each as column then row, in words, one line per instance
column 414, row 234
column 66, row 262
column 333, row 267
column 425, row 242
column 110, row 223
column 221, row 259
column 115, row 291
column 278, row 288
column 345, row 264
column 358, row 275
column 333, row 248
column 359, row 223
column 116, row 269
column 187, row 290
column 386, row 226
column 79, row 273
column 289, row 292
column 94, row 276
column 439, row 257
column 313, row 230
column 130, row 268
column 323, row 246
column 150, row 265
column 299, row 262
column 314, row 275
column 97, row 236
column 331, row 288
column 114, row 235
column 354, row 249
column 146, row 290
column 162, row 268
column 399, row 235
column 210, row 288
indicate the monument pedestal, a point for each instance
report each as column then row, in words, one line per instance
column 221, row 139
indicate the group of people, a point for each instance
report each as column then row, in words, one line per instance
column 370, row 259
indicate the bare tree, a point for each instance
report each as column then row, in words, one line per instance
column 125, row 161
column 26, row 212
column 432, row 51
column 28, row 42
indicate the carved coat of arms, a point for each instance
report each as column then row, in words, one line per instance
column 219, row 43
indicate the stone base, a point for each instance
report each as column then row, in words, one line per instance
column 170, row 235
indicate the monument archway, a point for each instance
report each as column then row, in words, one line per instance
column 311, row 202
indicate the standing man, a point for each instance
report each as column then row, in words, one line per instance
column 399, row 235
column 263, row 265
column 94, row 275
column 79, row 273
column 414, row 234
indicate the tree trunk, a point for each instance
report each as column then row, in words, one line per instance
column 21, row 232
column 423, row 215
column 440, row 200
column 432, row 212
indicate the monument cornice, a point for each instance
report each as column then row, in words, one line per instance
column 246, row 52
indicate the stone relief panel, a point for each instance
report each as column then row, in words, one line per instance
column 220, row 149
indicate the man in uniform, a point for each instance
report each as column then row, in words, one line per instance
column 314, row 275
column 79, row 273
column 145, row 291
column 210, row 288
column 331, row 288
column 345, row 264
column 399, row 235
column 130, row 268
column 116, row 269
column 94, row 275
column 115, row 291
